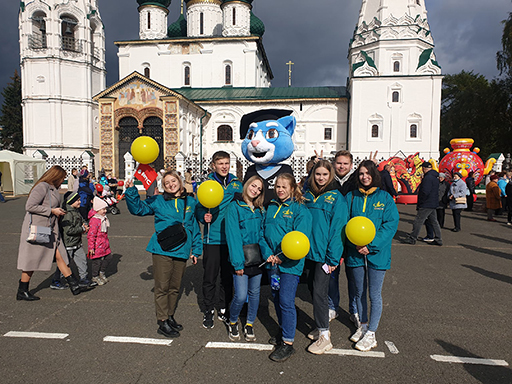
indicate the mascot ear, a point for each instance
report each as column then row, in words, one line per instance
column 288, row 122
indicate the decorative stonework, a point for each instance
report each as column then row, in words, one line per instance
column 106, row 136
column 171, row 128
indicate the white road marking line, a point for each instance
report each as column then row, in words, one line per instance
column 351, row 352
column 136, row 340
column 259, row 347
column 392, row 347
column 468, row 360
column 37, row 335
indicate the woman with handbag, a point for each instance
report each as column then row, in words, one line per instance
column 244, row 218
column 329, row 210
column 457, row 196
column 176, row 235
column 40, row 241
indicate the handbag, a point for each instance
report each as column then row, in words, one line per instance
column 252, row 254
column 174, row 235
column 38, row 234
column 460, row 200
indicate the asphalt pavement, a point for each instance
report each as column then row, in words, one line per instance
column 447, row 318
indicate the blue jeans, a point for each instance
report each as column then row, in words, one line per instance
column 369, row 279
column 245, row 286
column 2, row 199
column 284, row 302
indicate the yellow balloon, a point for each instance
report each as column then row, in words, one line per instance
column 295, row 245
column 360, row 231
column 210, row 194
column 144, row 150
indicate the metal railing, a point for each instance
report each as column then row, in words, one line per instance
column 71, row 44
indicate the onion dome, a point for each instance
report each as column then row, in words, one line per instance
column 178, row 28
column 257, row 26
column 243, row 1
column 159, row 3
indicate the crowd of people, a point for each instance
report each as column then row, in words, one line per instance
column 241, row 242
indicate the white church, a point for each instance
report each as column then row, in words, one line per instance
column 188, row 83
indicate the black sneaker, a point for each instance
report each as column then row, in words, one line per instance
column 56, row 284
column 276, row 340
column 223, row 315
column 409, row 240
column 249, row 333
column 234, row 335
column 208, row 319
column 282, row 353
column 166, row 330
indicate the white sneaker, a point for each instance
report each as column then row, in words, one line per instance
column 367, row 343
column 321, row 345
column 332, row 314
column 355, row 319
column 358, row 335
column 314, row 334
column 103, row 277
column 97, row 280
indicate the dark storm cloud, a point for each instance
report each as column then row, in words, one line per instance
column 314, row 34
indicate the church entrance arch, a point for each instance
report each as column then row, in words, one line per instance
column 153, row 128
column 128, row 131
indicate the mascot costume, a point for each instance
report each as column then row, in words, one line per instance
column 268, row 141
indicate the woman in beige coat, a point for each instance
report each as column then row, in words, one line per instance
column 43, row 209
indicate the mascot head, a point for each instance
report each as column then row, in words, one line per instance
column 268, row 136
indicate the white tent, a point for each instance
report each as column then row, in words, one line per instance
column 20, row 172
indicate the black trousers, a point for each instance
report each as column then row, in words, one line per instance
column 215, row 258
column 469, row 201
column 456, row 217
column 318, row 284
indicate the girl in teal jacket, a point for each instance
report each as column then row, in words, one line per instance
column 286, row 214
column 244, row 218
column 367, row 264
column 328, row 208
column 173, row 207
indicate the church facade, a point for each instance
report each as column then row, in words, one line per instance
column 189, row 83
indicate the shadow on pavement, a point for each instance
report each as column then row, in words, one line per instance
column 492, row 275
column 483, row 373
column 487, row 251
column 112, row 266
column 499, row 239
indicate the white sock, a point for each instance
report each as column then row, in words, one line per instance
column 370, row 333
column 325, row 334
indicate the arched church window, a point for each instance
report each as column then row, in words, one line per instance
column 375, row 131
column 186, row 79
column 147, row 72
column 413, row 131
column 396, row 96
column 68, row 30
column 224, row 133
column 227, row 75
column 234, row 16
column 396, row 66
column 38, row 38
column 201, row 23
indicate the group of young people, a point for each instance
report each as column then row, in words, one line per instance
column 242, row 241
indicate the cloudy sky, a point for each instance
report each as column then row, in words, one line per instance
column 314, row 34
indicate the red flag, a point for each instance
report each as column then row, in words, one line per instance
column 146, row 175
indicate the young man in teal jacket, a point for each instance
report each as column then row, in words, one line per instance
column 215, row 249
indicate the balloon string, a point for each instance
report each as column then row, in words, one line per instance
column 265, row 262
column 208, row 237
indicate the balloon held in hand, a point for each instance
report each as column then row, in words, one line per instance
column 360, row 231
column 295, row 245
column 210, row 194
column 145, row 150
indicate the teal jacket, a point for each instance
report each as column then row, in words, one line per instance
column 381, row 209
column 245, row 227
column 330, row 215
column 167, row 213
column 215, row 233
column 280, row 219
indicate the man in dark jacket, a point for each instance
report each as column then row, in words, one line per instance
column 428, row 200
column 387, row 181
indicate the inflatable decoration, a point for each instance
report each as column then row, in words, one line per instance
column 462, row 160
column 267, row 142
column 406, row 172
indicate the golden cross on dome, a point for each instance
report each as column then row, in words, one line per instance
column 289, row 64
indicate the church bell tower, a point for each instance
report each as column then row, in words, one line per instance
column 62, row 52
column 395, row 81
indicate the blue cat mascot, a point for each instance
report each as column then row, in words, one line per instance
column 268, row 141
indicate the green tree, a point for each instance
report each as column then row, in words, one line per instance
column 11, row 118
column 504, row 57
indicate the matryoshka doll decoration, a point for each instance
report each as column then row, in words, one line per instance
column 462, row 160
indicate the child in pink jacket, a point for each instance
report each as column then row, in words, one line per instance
column 97, row 238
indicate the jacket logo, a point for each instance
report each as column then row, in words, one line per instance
column 287, row 213
column 378, row 205
column 236, row 185
column 329, row 199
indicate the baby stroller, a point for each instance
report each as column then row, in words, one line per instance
column 111, row 205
